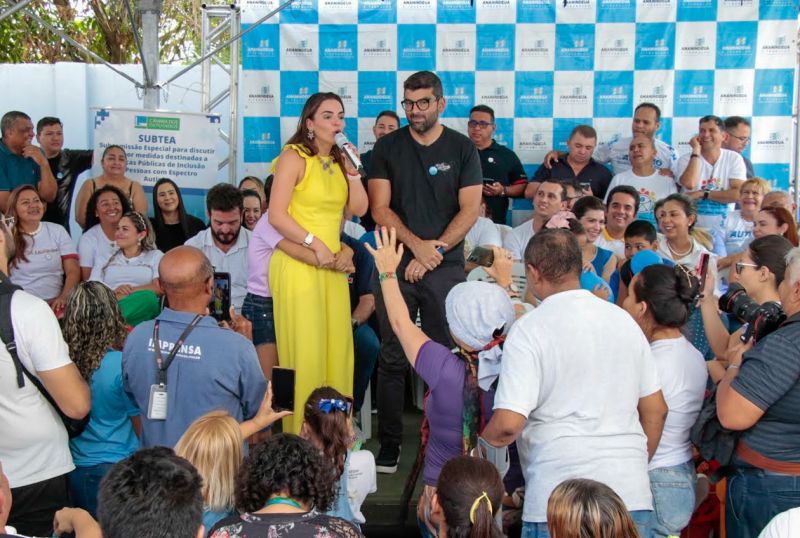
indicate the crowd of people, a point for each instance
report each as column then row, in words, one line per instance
column 569, row 360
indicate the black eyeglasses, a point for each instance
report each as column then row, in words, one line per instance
column 422, row 104
column 481, row 124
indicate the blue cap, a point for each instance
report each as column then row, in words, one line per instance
column 644, row 259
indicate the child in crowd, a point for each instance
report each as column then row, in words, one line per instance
column 639, row 235
column 327, row 424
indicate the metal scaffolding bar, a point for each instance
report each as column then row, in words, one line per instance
column 14, row 8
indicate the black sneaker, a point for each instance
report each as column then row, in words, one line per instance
column 386, row 462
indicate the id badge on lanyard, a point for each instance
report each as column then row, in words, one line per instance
column 158, row 402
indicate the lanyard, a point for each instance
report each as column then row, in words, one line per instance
column 163, row 364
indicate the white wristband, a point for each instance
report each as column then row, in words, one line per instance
column 307, row 241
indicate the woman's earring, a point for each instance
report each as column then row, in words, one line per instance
column 310, row 134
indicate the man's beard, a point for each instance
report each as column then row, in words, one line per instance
column 226, row 239
column 426, row 125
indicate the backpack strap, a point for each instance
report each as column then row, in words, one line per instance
column 7, row 290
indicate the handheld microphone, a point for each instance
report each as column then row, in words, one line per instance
column 342, row 142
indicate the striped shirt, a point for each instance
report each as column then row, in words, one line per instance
column 770, row 379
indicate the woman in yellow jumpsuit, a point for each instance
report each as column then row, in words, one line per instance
column 312, row 184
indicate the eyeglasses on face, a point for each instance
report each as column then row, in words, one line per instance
column 742, row 139
column 482, row 124
column 741, row 265
column 422, row 104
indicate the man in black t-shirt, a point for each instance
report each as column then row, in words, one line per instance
column 66, row 165
column 577, row 165
column 386, row 122
column 425, row 181
column 503, row 175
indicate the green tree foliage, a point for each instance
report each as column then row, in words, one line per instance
column 102, row 26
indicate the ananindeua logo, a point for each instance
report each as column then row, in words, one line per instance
column 157, row 122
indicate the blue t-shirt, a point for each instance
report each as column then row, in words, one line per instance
column 109, row 436
column 214, row 369
column 16, row 170
column 601, row 259
column 590, row 280
column 360, row 282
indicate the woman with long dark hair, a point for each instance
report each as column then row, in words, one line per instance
column 759, row 270
column 312, row 185
column 45, row 262
column 467, row 498
column 171, row 224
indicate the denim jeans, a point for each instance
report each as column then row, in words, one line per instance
column 756, row 496
column 258, row 310
column 84, row 483
column 673, row 498
column 642, row 518
column 366, row 347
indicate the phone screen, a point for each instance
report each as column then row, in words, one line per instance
column 481, row 256
column 283, row 389
column 220, row 303
column 702, row 270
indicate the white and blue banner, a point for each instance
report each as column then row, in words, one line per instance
column 542, row 65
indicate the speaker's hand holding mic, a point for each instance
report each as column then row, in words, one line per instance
column 352, row 158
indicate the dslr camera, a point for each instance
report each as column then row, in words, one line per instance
column 762, row 319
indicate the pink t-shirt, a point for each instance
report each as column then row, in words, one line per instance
column 262, row 244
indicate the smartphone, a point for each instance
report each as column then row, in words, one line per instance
column 488, row 182
column 283, row 389
column 702, row 270
column 585, row 187
column 481, row 256
column 220, row 304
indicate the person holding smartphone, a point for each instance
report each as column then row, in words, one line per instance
column 205, row 366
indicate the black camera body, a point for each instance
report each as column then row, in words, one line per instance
column 762, row 319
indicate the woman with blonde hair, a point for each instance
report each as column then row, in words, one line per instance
column 583, row 508
column 213, row 444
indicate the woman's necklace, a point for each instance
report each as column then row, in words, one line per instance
column 678, row 255
column 327, row 164
column 36, row 231
column 283, row 500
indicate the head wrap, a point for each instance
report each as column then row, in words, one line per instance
column 475, row 312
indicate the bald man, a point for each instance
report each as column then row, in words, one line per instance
column 182, row 365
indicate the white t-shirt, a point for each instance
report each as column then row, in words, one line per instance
column 43, row 274
column 692, row 259
column 617, row 246
column 484, row 232
column 119, row 270
column 94, row 245
column 616, row 152
column 517, row 239
column 784, row 525
column 738, row 232
column 362, row 480
column 683, row 375
column 576, row 367
column 34, row 444
column 234, row 261
column 651, row 189
column 714, row 177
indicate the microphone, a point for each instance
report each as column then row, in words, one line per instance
column 342, row 142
